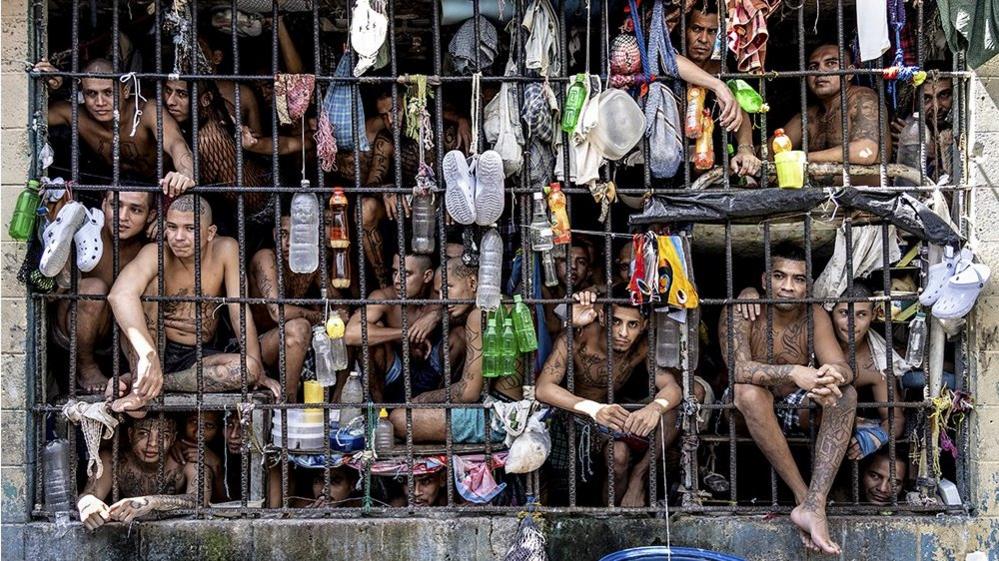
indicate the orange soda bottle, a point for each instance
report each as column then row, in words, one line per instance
column 695, row 106
column 339, row 230
column 560, row 218
column 781, row 142
column 704, row 150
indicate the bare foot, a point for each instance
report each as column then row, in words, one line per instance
column 91, row 379
column 813, row 523
column 634, row 497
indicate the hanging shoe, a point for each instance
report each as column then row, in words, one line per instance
column 58, row 238
column 489, row 178
column 940, row 273
column 458, row 196
column 89, row 245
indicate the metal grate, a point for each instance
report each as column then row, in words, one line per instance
column 449, row 86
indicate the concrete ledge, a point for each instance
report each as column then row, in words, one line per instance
column 474, row 538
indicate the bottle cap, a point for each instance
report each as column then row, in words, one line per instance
column 335, row 327
column 517, row 298
column 778, row 132
column 538, row 196
column 383, row 414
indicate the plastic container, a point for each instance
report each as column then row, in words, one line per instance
column 305, row 429
column 908, row 149
column 660, row 553
column 22, row 222
column 704, row 149
column 340, row 268
column 60, row 482
column 490, row 271
column 312, row 392
column 424, row 217
column 575, row 97
column 620, row 124
column 790, row 169
column 352, row 393
column 540, row 221
column 781, row 142
column 917, row 341
column 692, row 124
column 561, row 231
column 491, row 349
column 667, row 340
column 334, row 331
column 384, row 433
column 325, row 373
column 508, row 363
column 339, row 228
column 523, row 326
column 304, row 238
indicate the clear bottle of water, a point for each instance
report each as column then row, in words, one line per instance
column 325, row 373
column 667, row 340
column 60, row 495
column 335, row 330
column 304, row 239
column 490, row 271
column 917, row 340
column 908, row 149
column 384, row 433
column 424, row 219
column 542, row 239
column 352, row 393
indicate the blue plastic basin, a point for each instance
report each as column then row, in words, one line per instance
column 658, row 553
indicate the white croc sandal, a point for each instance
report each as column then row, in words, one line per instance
column 961, row 291
column 58, row 238
column 458, row 197
column 939, row 274
column 89, row 245
column 489, row 177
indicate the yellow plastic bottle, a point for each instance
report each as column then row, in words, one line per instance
column 556, row 202
column 781, row 142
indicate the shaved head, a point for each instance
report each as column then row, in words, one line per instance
column 99, row 65
column 185, row 203
column 458, row 270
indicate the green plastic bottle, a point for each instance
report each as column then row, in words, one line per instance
column 523, row 326
column 574, row 99
column 509, row 360
column 491, row 350
column 22, row 223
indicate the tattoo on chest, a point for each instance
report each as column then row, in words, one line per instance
column 591, row 370
column 790, row 344
column 134, row 482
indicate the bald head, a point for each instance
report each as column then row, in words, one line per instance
column 99, row 65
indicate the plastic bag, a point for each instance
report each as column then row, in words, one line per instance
column 530, row 450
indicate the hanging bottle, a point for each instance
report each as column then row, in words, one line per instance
column 560, row 217
column 339, row 227
column 490, row 271
column 335, row 330
column 508, row 363
column 542, row 239
column 523, row 326
column 352, row 394
column 424, row 215
column 304, row 241
column 325, row 373
column 917, row 340
column 667, row 340
column 384, row 433
column 490, row 349
column 59, row 480
column 575, row 97
column 692, row 125
column 340, row 268
column 22, row 223
column 704, row 151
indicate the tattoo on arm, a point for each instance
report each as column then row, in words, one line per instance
column 747, row 370
column 864, row 118
column 166, row 503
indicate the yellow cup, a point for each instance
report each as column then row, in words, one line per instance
column 313, row 394
column 790, row 169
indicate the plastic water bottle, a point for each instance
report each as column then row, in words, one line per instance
column 491, row 350
column 304, row 242
column 339, row 227
column 22, row 223
column 917, row 340
column 384, row 433
column 509, row 350
column 60, row 495
column 340, row 269
column 575, row 97
column 335, row 330
column 424, row 218
column 523, row 326
column 908, row 149
column 667, row 340
column 490, row 271
column 325, row 373
column 542, row 239
column 352, row 393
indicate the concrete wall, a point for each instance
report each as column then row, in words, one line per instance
column 924, row 538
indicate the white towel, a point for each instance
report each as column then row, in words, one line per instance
column 879, row 352
column 872, row 28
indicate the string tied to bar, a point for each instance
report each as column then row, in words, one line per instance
column 899, row 70
column 137, row 111
column 96, row 423
column 473, row 148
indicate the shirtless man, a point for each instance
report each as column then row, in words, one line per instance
column 825, row 135
column 138, row 320
column 138, row 468
column 760, row 382
column 185, row 448
column 579, row 262
column 137, row 140
column 384, row 324
column 628, row 350
column 702, row 30
column 465, row 346
column 93, row 322
column 938, row 99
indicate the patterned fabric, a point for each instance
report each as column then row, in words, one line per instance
column 625, row 58
column 747, row 32
column 341, row 112
column 537, row 112
column 292, row 95
column 462, row 48
column 790, row 418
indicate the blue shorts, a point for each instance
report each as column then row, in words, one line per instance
column 468, row 426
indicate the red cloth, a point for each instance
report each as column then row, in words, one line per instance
column 747, row 32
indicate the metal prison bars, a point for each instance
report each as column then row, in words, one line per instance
column 520, row 191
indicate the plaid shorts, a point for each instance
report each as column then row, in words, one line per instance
column 788, row 417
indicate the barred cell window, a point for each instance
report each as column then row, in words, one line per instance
column 322, row 258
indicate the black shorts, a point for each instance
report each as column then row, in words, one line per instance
column 178, row 356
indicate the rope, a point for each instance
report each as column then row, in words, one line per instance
column 476, row 103
column 137, row 113
column 96, row 423
column 662, row 442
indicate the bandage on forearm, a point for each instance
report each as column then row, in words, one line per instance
column 588, row 407
column 662, row 402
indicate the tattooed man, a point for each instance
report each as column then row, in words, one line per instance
column 825, row 130
column 465, row 352
column 590, row 352
column 149, row 440
column 137, row 133
column 138, row 320
column 765, row 375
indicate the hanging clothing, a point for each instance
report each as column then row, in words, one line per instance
column 867, row 257
column 340, row 109
column 541, row 51
column 872, row 28
column 747, row 32
column 972, row 26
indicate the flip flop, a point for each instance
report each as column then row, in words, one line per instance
column 489, row 177
column 458, row 196
column 58, row 238
column 960, row 293
column 89, row 246
column 940, row 273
